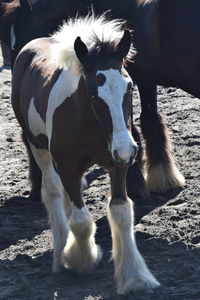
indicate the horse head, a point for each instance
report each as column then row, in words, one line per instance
column 109, row 89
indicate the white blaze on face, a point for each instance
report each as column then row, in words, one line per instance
column 112, row 92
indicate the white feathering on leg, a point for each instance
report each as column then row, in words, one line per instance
column 131, row 272
column 162, row 178
column 81, row 252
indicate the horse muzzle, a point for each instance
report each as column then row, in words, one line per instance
column 125, row 160
column 123, row 148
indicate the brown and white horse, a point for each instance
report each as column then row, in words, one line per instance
column 72, row 98
column 166, row 37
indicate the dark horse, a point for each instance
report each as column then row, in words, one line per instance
column 72, row 97
column 166, row 37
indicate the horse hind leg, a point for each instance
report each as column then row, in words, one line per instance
column 53, row 197
column 81, row 252
column 162, row 172
column 35, row 175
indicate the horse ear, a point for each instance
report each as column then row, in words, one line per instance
column 124, row 45
column 81, row 50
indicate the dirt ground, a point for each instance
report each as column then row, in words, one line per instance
column 167, row 225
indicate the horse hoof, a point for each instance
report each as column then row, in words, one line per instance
column 138, row 284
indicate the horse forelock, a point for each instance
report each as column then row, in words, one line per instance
column 96, row 32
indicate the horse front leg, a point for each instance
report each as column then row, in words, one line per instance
column 131, row 272
column 81, row 252
column 162, row 172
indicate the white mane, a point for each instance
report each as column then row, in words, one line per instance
column 87, row 28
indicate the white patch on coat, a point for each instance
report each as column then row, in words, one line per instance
column 35, row 122
column 112, row 93
column 12, row 37
column 64, row 87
